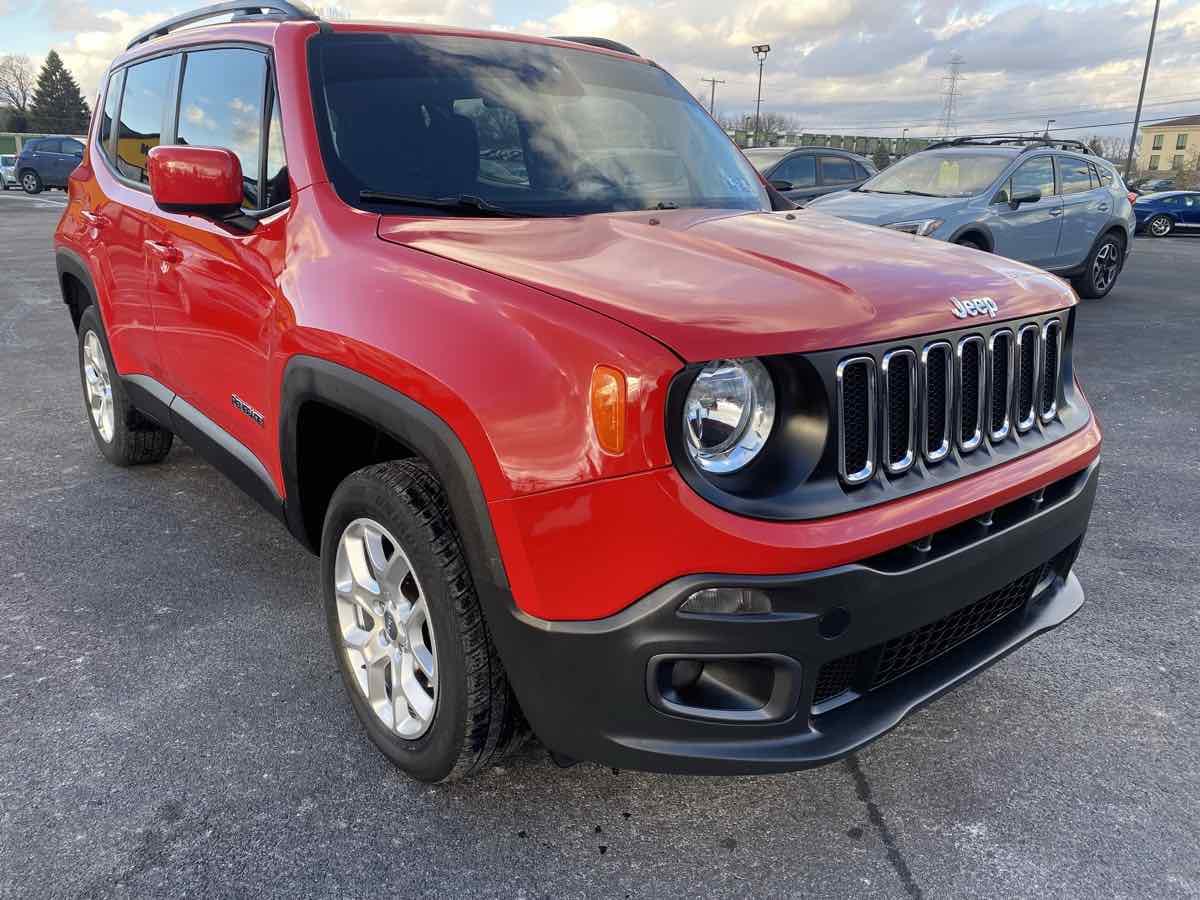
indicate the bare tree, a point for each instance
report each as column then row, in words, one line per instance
column 17, row 82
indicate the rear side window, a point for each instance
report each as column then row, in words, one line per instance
column 278, row 188
column 1075, row 174
column 801, row 171
column 836, row 170
column 72, row 146
column 221, row 105
column 143, row 109
column 112, row 97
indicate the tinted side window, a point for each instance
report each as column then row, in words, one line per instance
column 143, row 108
column 1035, row 175
column 72, row 146
column 801, row 171
column 221, row 105
column 50, row 146
column 278, row 189
column 1075, row 174
column 111, row 98
column 836, row 170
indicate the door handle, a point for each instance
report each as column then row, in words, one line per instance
column 93, row 219
column 163, row 251
column 1103, row 207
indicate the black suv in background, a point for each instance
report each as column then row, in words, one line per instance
column 47, row 162
column 801, row 173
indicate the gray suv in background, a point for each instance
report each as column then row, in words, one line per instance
column 1049, row 203
column 802, row 173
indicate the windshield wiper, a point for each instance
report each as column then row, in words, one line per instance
column 922, row 194
column 460, row 202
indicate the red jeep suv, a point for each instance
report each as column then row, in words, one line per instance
column 595, row 435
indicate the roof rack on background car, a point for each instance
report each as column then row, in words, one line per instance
column 604, row 43
column 279, row 9
column 999, row 140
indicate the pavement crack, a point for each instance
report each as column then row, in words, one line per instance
column 862, row 788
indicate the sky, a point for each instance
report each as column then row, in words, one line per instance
column 837, row 66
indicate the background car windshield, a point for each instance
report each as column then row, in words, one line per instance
column 8, row 160
column 940, row 174
column 531, row 128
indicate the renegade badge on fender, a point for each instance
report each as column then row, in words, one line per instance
column 596, row 436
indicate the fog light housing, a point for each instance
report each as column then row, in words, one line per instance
column 726, row 601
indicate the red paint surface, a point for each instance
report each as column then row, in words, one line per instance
column 497, row 325
column 195, row 176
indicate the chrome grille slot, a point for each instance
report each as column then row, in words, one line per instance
column 970, row 385
column 1025, row 376
column 898, row 376
column 1000, row 384
column 856, row 406
column 1051, row 369
column 937, row 400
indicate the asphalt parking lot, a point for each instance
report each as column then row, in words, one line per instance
column 172, row 724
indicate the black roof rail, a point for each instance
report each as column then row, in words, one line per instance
column 999, row 140
column 282, row 9
column 604, row 43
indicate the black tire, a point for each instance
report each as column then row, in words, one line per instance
column 136, row 439
column 476, row 719
column 1160, row 226
column 31, row 182
column 972, row 243
column 1102, row 268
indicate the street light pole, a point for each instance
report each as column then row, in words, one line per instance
column 760, row 53
column 1049, row 122
column 1137, row 116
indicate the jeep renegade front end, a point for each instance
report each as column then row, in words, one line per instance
column 595, row 435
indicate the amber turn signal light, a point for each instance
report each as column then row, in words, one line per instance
column 608, row 408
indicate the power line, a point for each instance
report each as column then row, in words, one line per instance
column 712, row 97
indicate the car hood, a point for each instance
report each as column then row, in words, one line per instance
column 710, row 284
column 884, row 209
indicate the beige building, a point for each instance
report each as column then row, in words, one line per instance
column 1170, row 145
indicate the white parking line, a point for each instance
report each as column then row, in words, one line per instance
column 19, row 195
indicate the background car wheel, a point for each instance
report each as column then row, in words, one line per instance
column 125, row 436
column 31, row 182
column 972, row 243
column 407, row 628
column 1103, row 267
column 1160, row 226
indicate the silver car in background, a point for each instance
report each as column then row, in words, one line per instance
column 8, row 171
column 1051, row 203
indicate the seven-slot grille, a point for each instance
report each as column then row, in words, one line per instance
column 924, row 402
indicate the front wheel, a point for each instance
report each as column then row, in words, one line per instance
column 1103, row 267
column 31, row 182
column 407, row 628
column 973, row 244
column 1160, row 226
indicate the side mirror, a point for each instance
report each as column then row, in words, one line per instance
column 202, row 180
column 780, row 185
column 1031, row 197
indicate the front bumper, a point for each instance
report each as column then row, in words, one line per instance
column 594, row 690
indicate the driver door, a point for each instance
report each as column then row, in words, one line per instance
column 1030, row 232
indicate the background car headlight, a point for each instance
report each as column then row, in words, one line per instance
column 728, row 414
column 922, row 227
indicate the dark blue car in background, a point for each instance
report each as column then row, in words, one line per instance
column 47, row 162
column 1160, row 214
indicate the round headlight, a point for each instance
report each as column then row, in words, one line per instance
column 728, row 414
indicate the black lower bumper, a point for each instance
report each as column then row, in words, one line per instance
column 597, row 690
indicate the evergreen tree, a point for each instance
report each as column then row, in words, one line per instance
column 58, row 107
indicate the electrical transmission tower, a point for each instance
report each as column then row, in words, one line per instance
column 950, row 80
column 712, row 98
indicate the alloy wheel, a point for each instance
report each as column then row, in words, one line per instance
column 98, row 385
column 1160, row 226
column 29, row 182
column 1104, row 269
column 385, row 628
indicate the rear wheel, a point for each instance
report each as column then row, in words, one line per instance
column 124, row 435
column 31, row 182
column 407, row 628
column 1160, row 226
column 1103, row 267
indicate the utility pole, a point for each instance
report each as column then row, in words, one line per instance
column 1049, row 122
column 712, row 97
column 950, row 110
column 1137, row 116
column 760, row 53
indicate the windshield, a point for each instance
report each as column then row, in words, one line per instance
column 940, row 174
column 524, row 127
column 7, row 160
column 764, row 159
